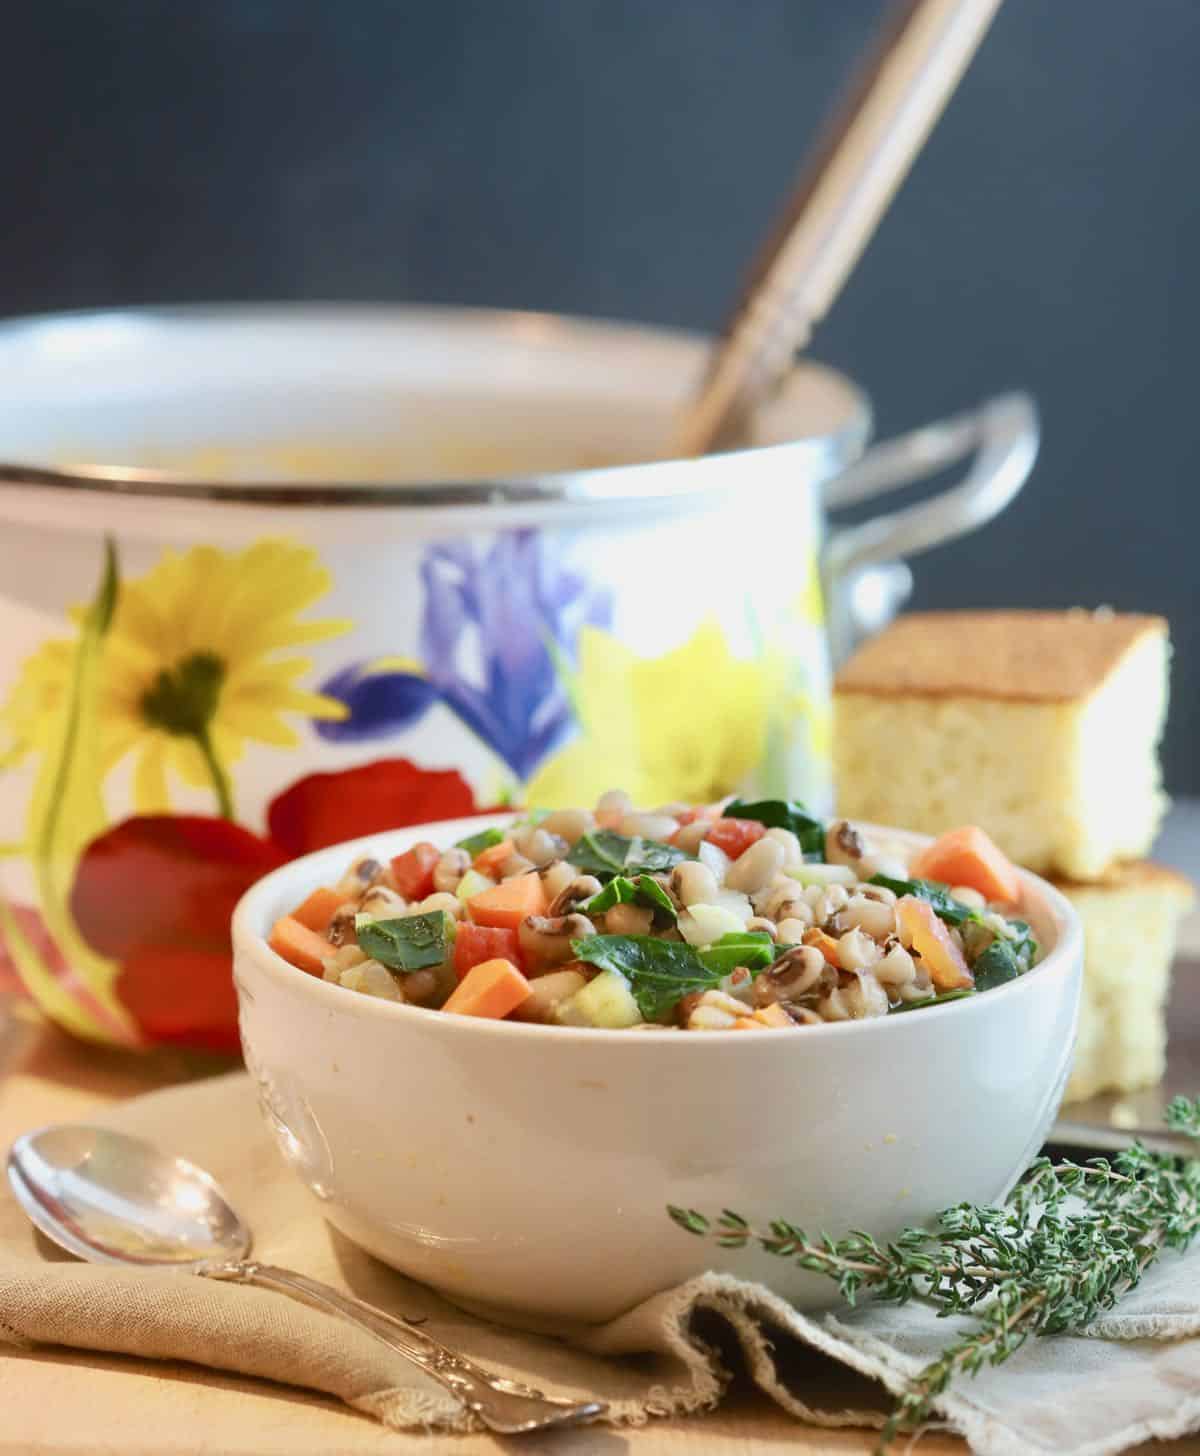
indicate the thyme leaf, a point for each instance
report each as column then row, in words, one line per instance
column 1071, row 1239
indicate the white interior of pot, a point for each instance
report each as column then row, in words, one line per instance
column 321, row 394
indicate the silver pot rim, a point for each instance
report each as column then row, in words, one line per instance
column 816, row 457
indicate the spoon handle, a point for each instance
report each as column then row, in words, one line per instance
column 505, row 1406
column 851, row 174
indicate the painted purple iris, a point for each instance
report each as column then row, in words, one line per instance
column 381, row 700
column 497, row 625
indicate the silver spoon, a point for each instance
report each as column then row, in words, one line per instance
column 113, row 1199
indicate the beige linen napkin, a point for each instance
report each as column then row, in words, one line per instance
column 1071, row 1396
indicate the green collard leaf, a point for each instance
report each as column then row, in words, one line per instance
column 640, row 890
column 411, row 943
column 997, row 964
column 938, row 1000
column 603, row 853
column 475, row 844
column 753, row 949
column 659, row 972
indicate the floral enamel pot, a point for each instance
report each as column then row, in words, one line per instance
column 271, row 578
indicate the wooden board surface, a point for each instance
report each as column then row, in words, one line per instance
column 66, row 1403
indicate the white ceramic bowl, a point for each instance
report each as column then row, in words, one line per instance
column 527, row 1169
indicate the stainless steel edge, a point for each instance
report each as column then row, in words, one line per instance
column 654, row 480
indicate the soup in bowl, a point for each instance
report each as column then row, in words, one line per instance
column 499, row 1087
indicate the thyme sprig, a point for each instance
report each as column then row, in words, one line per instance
column 1070, row 1240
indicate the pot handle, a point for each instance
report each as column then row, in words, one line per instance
column 1003, row 433
column 865, row 579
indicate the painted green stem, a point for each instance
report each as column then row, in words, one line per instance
column 220, row 778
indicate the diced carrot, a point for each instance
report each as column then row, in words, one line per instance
column 825, row 944
column 492, row 988
column 934, row 944
column 968, row 856
column 317, row 910
column 490, row 861
column 773, row 1015
column 300, row 945
column 735, row 836
column 507, row 904
column 747, row 1023
column 413, row 870
column 474, row 944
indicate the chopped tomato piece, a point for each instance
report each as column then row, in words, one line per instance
column 735, row 836
column 414, row 870
column 475, row 944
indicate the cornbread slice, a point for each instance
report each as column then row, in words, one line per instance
column 1041, row 727
column 1129, row 927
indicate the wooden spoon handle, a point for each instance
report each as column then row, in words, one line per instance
column 865, row 152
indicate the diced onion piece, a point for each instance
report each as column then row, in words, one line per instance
column 605, row 1002
column 471, row 884
column 715, row 858
column 703, row 924
column 823, row 874
column 736, row 903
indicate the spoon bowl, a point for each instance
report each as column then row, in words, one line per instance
column 114, row 1199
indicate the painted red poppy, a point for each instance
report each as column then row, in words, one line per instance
column 156, row 893
column 326, row 808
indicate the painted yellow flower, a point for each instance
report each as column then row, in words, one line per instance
column 38, row 700
column 689, row 725
column 191, row 670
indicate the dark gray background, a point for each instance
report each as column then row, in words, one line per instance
column 621, row 157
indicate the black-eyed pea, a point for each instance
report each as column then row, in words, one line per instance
column 628, row 920
column 692, row 836
column 856, row 951
column 693, row 883
column 871, row 916
column 449, row 870
column 787, row 841
column 547, row 942
column 569, row 824
column 557, row 876
column 440, row 900
column 648, row 826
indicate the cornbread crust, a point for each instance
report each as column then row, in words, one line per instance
column 1020, row 657
column 1142, row 874
column 1130, row 924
